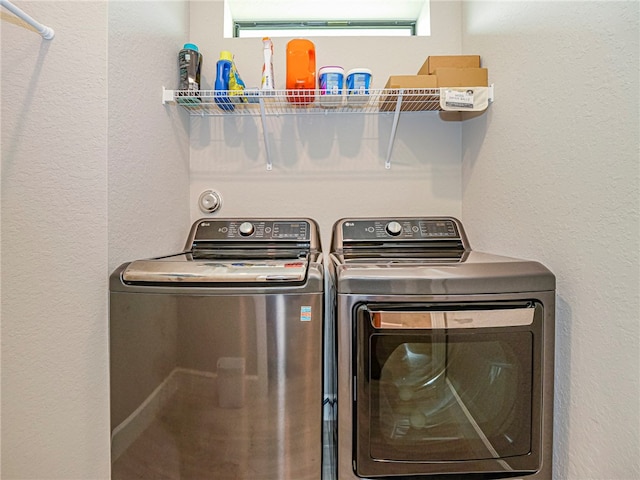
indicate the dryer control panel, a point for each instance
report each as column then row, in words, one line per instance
column 423, row 237
column 400, row 229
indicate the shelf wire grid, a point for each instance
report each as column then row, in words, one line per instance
column 289, row 102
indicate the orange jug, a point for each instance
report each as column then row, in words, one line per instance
column 301, row 71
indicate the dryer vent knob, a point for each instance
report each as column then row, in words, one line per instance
column 210, row 201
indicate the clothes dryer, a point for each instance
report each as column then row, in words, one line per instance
column 444, row 354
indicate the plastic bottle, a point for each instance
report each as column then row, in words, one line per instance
column 224, row 68
column 189, row 65
column 236, row 84
column 358, row 83
column 331, row 82
column 267, row 82
column 301, row 70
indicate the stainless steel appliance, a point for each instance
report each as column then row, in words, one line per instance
column 216, row 355
column 445, row 355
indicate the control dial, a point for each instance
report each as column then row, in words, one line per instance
column 393, row 228
column 246, row 229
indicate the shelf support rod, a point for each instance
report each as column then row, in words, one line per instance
column 45, row 32
column 265, row 134
column 394, row 128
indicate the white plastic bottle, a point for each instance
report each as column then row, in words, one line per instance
column 267, row 68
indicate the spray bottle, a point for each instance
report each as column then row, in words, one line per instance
column 267, row 68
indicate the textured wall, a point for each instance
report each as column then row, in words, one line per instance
column 148, row 147
column 552, row 173
column 328, row 167
column 54, row 250
column 94, row 172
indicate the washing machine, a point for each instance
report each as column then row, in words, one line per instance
column 444, row 354
column 216, row 355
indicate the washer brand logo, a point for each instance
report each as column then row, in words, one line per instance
column 349, row 224
column 205, row 224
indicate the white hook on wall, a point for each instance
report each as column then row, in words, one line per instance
column 46, row 32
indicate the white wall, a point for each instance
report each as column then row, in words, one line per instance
column 148, row 141
column 54, row 249
column 328, row 167
column 551, row 172
column 94, row 172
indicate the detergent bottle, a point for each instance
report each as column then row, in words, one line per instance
column 189, row 65
column 301, row 71
column 236, row 84
column 224, row 71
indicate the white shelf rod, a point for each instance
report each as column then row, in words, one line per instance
column 46, row 32
column 265, row 134
column 394, row 128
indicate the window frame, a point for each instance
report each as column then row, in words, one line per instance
column 288, row 26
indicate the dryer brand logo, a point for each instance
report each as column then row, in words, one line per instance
column 349, row 224
column 205, row 224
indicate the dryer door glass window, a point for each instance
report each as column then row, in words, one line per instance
column 430, row 393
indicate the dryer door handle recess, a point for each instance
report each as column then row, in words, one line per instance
column 435, row 320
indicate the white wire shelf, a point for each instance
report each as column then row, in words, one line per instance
column 296, row 102
column 267, row 103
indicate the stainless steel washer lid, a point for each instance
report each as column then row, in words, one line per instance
column 173, row 270
column 235, row 251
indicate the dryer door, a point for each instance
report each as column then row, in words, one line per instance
column 444, row 388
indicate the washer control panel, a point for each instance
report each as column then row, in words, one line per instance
column 400, row 229
column 240, row 230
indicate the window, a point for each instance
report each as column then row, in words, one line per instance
column 325, row 28
column 286, row 18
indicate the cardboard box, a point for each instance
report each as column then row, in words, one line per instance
column 420, row 102
column 412, row 81
column 434, row 62
column 462, row 77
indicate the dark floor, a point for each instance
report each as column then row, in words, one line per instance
column 192, row 437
